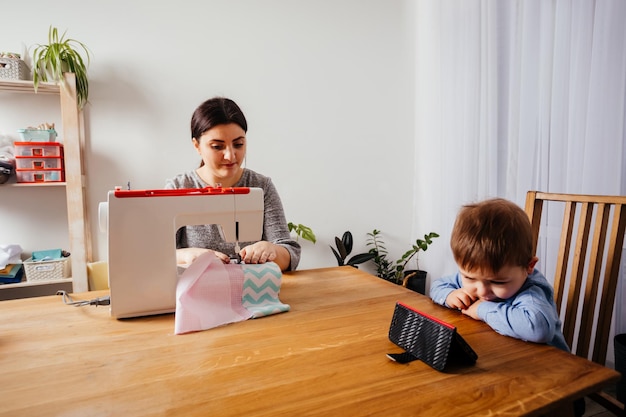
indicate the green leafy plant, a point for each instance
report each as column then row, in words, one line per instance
column 384, row 267
column 302, row 231
column 394, row 270
column 62, row 55
column 344, row 248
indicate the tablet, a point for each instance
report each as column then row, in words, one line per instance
column 428, row 339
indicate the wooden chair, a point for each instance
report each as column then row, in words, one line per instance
column 584, row 281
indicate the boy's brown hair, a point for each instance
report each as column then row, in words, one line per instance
column 491, row 234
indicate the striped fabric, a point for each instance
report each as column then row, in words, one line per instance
column 261, row 285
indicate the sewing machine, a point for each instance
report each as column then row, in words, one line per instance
column 141, row 227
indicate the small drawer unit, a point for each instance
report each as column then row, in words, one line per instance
column 53, row 162
column 38, row 149
column 39, row 162
column 43, row 175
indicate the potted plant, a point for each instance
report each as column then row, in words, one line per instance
column 61, row 55
column 344, row 248
column 302, row 231
column 395, row 271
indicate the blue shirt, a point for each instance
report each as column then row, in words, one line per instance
column 529, row 315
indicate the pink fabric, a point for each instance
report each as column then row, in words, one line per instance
column 203, row 302
column 236, row 275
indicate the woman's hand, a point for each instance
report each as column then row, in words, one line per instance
column 262, row 252
column 186, row 256
column 259, row 253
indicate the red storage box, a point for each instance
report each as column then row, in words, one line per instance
column 38, row 149
column 39, row 162
column 40, row 175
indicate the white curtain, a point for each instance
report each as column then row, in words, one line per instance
column 513, row 96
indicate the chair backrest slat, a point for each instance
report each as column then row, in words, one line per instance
column 611, row 277
column 577, row 276
column 560, row 275
column 533, row 209
column 587, row 265
column 593, row 279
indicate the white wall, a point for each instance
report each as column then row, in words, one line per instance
column 327, row 87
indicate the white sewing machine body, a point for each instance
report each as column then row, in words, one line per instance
column 142, row 225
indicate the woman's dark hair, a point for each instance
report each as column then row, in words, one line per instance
column 216, row 111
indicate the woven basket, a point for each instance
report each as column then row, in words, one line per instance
column 13, row 69
column 47, row 270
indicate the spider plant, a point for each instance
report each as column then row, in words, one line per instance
column 61, row 55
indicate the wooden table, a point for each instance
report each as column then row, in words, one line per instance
column 326, row 357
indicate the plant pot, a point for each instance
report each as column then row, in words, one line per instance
column 415, row 280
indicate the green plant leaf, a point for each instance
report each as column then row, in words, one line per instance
column 302, row 231
column 347, row 242
column 360, row 258
column 340, row 248
column 338, row 257
column 308, row 234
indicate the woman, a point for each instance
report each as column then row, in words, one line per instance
column 218, row 132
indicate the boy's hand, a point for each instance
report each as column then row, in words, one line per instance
column 459, row 299
column 472, row 310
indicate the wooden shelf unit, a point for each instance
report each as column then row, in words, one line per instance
column 73, row 145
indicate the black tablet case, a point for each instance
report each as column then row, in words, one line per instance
column 428, row 339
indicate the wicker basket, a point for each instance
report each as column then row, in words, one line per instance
column 47, row 270
column 13, row 69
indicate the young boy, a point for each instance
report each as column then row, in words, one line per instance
column 497, row 281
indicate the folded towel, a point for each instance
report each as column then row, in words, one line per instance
column 47, row 255
column 10, row 254
column 210, row 293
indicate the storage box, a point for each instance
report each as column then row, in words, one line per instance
column 38, row 149
column 53, row 162
column 14, row 69
column 47, row 270
column 37, row 135
column 40, row 175
column 39, row 162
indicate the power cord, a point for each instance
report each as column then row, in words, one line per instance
column 100, row 301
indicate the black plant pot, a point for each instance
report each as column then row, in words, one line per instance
column 415, row 280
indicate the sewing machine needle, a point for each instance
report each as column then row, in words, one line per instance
column 237, row 248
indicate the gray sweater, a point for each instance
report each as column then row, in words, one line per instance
column 275, row 228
